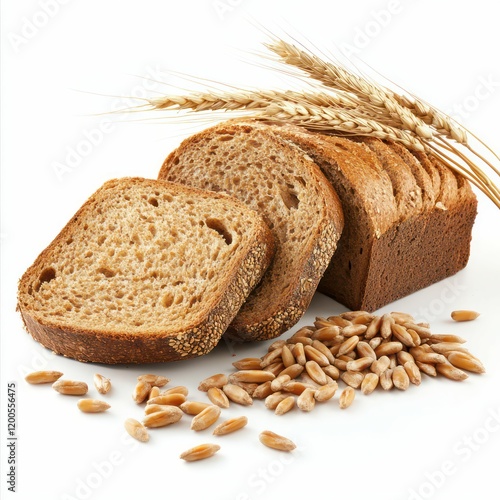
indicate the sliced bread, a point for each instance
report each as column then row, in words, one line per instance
column 275, row 177
column 408, row 218
column 146, row 271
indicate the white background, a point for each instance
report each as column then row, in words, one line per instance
column 60, row 71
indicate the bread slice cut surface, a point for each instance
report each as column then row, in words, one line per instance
column 145, row 271
column 273, row 176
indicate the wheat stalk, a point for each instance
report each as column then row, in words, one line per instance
column 436, row 129
column 320, row 112
column 344, row 102
column 247, row 100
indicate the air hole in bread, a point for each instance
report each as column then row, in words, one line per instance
column 152, row 230
column 47, row 275
column 168, row 197
column 226, row 137
column 101, row 239
column 194, row 300
column 301, row 180
column 153, row 201
column 290, row 198
column 106, row 271
column 69, row 241
column 218, row 225
column 253, row 143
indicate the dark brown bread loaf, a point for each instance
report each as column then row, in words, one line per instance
column 146, row 271
column 275, row 177
column 408, row 218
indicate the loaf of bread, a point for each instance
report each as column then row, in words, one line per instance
column 146, row 271
column 408, row 218
column 276, row 178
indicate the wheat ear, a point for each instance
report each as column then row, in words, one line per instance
column 320, row 112
column 380, row 99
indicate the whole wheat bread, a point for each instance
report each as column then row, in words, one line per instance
column 145, row 271
column 408, row 218
column 266, row 172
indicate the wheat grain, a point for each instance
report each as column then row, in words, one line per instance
column 141, row 391
column 285, row 405
column 92, row 405
column 230, row 425
column 200, row 452
column 306, row 401
column 237, row 394
column 70, row 387
column 205, row 418
column 247, row 364
column 275, row 441
column 326, row 392
column 217, row 380
column 346, row 398
column 193, row 407
column 137, row 430
column 465, row 361
column 169, row 415
column 369, row 384
column 218, row 397
column 464, row 315
column 43, row 377
column 153, row 380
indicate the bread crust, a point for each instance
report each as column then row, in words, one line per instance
column 113, row 347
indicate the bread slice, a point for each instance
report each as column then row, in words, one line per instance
column 146, row 271
column 271, row 175
column 408, row 218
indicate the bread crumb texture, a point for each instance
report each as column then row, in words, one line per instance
column 277, row 179
column 145, row 259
